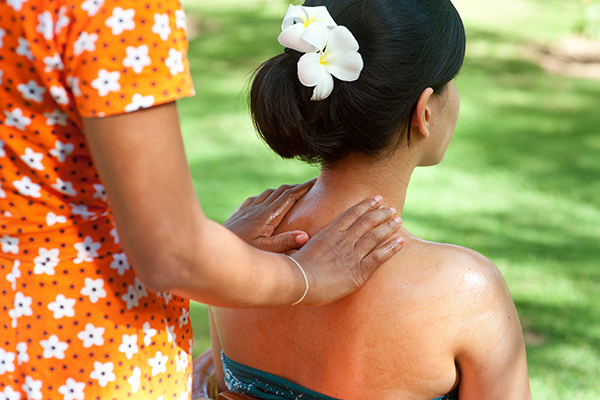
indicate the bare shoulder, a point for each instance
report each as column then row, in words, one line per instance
column 470, row 279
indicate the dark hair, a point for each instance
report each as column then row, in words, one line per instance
column 406, row 45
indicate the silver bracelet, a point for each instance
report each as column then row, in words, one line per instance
column 305, row 280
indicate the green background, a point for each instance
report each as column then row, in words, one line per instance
column 520, row 182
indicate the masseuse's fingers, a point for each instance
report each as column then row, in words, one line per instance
column 340, row 258
column 256, row 220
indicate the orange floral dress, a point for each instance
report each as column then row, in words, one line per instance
column 75, row 320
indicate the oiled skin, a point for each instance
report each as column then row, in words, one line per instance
column 432, row 317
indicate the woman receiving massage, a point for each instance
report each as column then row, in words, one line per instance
column 366, row 88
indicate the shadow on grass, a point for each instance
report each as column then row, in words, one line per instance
column 541, row 130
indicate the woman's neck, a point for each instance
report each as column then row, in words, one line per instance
column 350, row 182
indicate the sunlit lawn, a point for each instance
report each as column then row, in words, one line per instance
column 520, row 182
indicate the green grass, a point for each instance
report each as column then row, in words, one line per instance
column 520, row 182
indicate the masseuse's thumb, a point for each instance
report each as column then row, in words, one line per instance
column 283, row 242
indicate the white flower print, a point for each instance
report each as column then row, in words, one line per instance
column 86, row 250
column 61, row 150
column 17, row 5
column 138, row 102
column 28, row 188
column 82, row 211
column 134, row 379
column 64, row 187
column 33, row 159
column 72, row 390
column 120, row 263
column 175, row 62
column 103, row 373
column 46, row 261
column 94, row 289
column 53, row 63
column 52, row 219
column 191, row 344
column 23, row 49
column 148, row 333
column 13, row 315
column 158, row 363
column 56, row 117
column 59, row 94
column 167, row 296
column 171, row 335
column 10, row 244
column 137, row 58
column 33, row 388
column 115, row 234
column 121, row 20
column 10, row 394
column 62, row 21
column 92, row 6
column 132, row 297
column 22, row 305
column 107, row 82
column 54, row 348
column 184, row 318
column 91, row 336
column 2, row 34
column 62, row 307
column 180, row 20
column 181, row 361
column 100, row 192
column 46, row 25
column 14, row 274
column 22, row 355
column 32, row 91
column 129, row 346
column 16, row 119
column 140, row 288
column 85, row 42
column 73, row 83
column 7, row 361
column 161, row 26
column 3, row 196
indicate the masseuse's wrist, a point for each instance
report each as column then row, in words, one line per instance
column 305, row 285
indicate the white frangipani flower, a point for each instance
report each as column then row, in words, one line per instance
column 22, row 355
column 149, row 333
column 107, row 82
column 54, row 118
column 303, row 25
column 14, row 274
column 86, row 250
column 53, row 63
column 339, row 58
column 129, row 346
column 10, row 244
column 59, row 94
column 46, row 261
column 134, row 379
column 7, row 361
column 62, row 307
column 31, row 91
column 121, row 20
column 46, row 25
column 23, row 49
column 32, row 388
column 158, row 363
column 64, row 187
column 92, row 6
column 27, row 188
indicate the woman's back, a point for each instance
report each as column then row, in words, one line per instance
column 400, row 336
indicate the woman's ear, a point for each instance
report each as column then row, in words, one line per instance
column 422, row 114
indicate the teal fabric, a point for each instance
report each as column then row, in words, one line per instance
column 262, row 385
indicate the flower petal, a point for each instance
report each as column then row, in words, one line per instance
column 341, row 39
column 320, row 14
column 294, row 14
column 317, row 34
column 292, row 38
column 310, row 70
column 323, row 89
column 345, row 65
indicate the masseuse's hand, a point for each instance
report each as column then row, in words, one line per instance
column 256, row 219
column 341, row 257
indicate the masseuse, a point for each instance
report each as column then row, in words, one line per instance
column 102, row 238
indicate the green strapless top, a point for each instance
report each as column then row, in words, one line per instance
column 262, row 385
